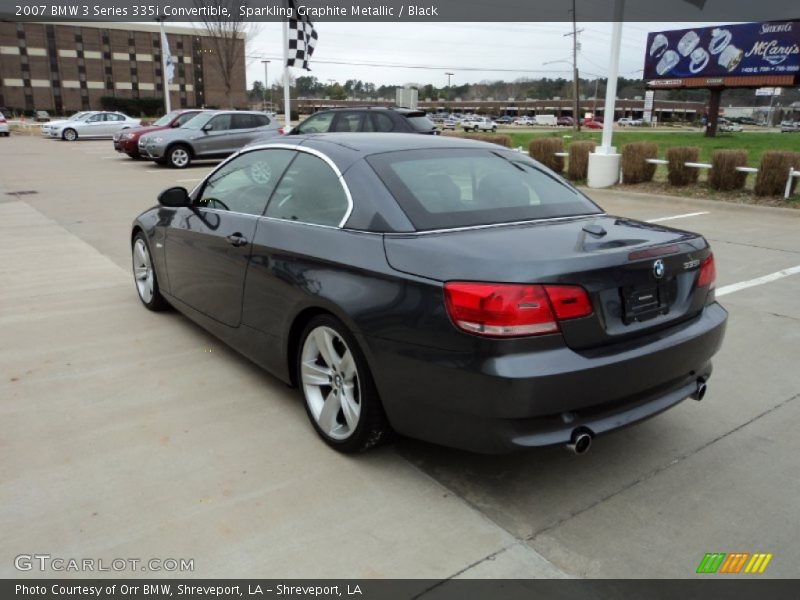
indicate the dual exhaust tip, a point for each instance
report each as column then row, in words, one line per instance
column 581, row 439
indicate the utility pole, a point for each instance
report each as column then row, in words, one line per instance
column 575, row 80
column 449, row 75
column 266, row 82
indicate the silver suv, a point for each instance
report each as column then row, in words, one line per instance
column 213, row 134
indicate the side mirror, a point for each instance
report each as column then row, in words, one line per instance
column 174, row 197
column 208, row 127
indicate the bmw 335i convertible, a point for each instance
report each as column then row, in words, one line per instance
column 445, row 289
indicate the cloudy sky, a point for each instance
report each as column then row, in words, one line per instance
column 382, row 52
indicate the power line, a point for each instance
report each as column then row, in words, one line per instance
column 407, row 66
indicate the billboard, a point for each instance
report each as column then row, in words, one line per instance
column 771, row 48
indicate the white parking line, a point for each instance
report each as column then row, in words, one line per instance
column 694, row 214
column 742, row 285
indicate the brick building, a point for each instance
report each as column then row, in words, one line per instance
column 65, row 68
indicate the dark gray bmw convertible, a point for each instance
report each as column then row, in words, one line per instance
column 446, row 289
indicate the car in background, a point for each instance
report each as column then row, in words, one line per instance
column 93, row 126
column 625, row 121
column 4, row 129
column 504, row 120
column 449, row 124
column 440, row 287
column 728, row 126
column 127, row 141
column 524, row 121
column 790, row 127
column 41, row 116
column 367, row 119
column 211, row 134
column 565, row 121
column 592, row 124
column 47, row 128
column 479, row 124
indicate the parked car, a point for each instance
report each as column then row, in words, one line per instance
column 368, row 119
column 790, row 126
column 6, row 112
column 479, row 124
column 565, row 121
column 449, row 124
column 625, row 121
column 729, row 126
column 4, row 129
column 510, row 326
column 93, row 126
column 41, row 116
column 504, row 120
column 592, row 124
column 46, row 128
column 524, row 121
column 211, row 134
column 546, row 120
column 127, row 141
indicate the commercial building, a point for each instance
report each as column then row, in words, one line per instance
column 69, row 67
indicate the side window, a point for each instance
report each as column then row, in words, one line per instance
column 115, row 118
column 260, row 120
column 245, row 183
column 347, row 122
column 309, row 192
column 220, row 123
column 241, row 122
column 95, row 118
column 184, row 118
column 383, row 122
column 318, row 123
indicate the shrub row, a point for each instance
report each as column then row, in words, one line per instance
column 502, row 140
column 770, row 181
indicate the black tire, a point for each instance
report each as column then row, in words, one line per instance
column 69, row 135
column 156, row 302
column 178, row 156
column 494, row 129
column 373, row 428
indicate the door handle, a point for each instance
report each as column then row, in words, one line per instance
column 236, row 239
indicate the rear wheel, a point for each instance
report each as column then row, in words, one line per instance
column 178, row 157
column 70, row 135
column 144, row 275
column 339, row 392
column 494, row 129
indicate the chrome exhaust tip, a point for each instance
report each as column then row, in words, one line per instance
column 581, row 441
column 700, row 392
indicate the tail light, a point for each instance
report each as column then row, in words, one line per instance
column 511, row 310
column 708, row 273
column 280, row 130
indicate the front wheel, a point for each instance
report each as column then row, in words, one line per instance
column 494, row 129
column 144, row 275
column 70, row 135
column 178, row 157
column 339, row 392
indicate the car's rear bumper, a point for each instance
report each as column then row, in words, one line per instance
column 501, row 403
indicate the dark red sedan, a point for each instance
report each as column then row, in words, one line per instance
column 127, row 141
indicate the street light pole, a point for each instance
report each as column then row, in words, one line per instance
column 266, row 80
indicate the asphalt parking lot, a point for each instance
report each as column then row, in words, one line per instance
column 128, row 434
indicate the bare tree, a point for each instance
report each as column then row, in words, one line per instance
column 228, row 39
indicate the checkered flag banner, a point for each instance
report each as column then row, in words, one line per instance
column 302, row 40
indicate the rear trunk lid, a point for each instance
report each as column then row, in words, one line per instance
column 639, row 276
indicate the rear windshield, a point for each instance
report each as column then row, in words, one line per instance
column 421, row 122
column 442, row 189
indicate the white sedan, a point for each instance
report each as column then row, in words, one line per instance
column 95, row 125
column 47, row 127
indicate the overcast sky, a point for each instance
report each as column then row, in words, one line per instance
column 505, row 51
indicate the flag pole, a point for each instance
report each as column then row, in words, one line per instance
column 287, row 110
column 164, row 78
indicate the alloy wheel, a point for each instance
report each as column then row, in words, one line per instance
column 143, row 271
column 330, row 382
column 179, row 157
